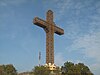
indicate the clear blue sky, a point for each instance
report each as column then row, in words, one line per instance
column 21, row 41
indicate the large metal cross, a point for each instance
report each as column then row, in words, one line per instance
column 50, row 28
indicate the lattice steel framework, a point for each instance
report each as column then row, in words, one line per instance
column 50, row 28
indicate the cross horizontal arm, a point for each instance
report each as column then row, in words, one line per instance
column 39, row 22
column 58, row 30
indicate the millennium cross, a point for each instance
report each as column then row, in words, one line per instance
column 50, row 28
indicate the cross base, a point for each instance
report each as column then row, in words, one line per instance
column 52, row 67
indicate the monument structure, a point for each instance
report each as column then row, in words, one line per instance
column 50, row 28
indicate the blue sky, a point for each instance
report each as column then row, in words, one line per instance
column 21, row 41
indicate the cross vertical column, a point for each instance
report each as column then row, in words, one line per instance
column 50, row 28
column 50, row 38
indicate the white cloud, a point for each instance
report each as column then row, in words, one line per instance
column 59, row 60
column 59, row 7
column 3, row 4
column 95, row 68
column 62, row 6
column 11, row 2
column 89, row 45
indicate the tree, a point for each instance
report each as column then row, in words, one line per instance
column 10, row 70
column 41, row 70
column 7, row 70
column 45, row 70
column 2, row 69
column 70, row 68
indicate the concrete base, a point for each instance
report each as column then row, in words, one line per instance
column 52, row 67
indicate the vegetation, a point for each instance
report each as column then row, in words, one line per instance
column 41, row 70
column 70, row 68
column 7, row 70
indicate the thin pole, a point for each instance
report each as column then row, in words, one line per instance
column 39, row 57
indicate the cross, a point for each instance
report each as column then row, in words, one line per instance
column 50, row 28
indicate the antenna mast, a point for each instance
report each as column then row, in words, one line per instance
column 39, row 57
